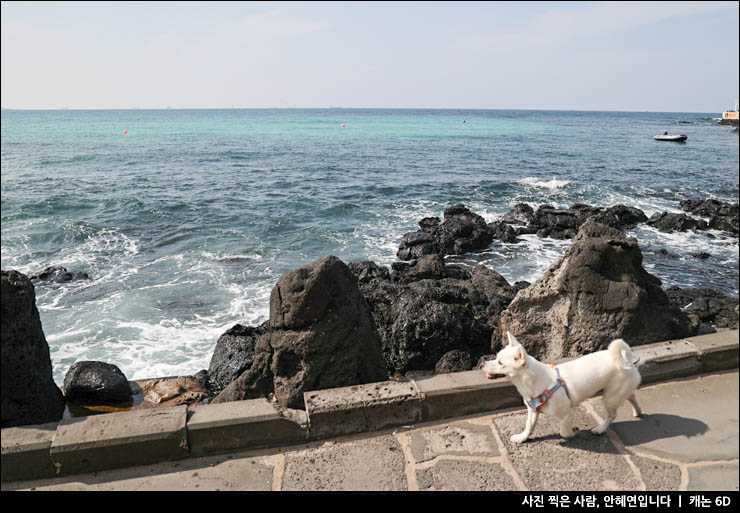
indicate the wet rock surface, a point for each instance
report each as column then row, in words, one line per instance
column 548, row 221
column 462, row 231
column 710, row 306
column 59, row 275
column 92, row 381
column 722, row 215
column 670, row 222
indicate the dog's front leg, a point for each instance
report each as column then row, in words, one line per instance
column 531, row 421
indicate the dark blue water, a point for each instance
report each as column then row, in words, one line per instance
column 187, row 221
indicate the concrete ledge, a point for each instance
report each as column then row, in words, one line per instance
column 717, row 351
column 666, row 360
column 25, row 452
column 362, row 408
column 255, row 423
column 139, row 437
column 112, row 440
column 464, row 393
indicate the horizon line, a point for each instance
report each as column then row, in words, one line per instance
column 354, row 108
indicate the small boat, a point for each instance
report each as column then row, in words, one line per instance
column 666, row 137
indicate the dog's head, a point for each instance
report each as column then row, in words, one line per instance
column 510, row 360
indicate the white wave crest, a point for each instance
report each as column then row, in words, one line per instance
column 552, row 185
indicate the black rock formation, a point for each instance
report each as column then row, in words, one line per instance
column 29, row 394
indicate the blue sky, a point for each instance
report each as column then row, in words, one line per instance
column 644, row 56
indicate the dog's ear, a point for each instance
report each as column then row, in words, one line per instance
column 520, row 357
column 512, row 340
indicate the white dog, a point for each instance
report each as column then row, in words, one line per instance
column 557, row 390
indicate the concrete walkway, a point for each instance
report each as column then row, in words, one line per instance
column 687, row 439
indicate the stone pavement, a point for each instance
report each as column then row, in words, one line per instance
column 687, row 439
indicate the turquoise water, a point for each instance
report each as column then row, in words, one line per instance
column 187, row 221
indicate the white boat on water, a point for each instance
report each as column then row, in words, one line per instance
column 666, row 137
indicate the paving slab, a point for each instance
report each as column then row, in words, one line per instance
column 368, row 464
column 236, row 472
column 457, row 439
column 549, row 462
column 720, row 477
column 658, row 475
column 222, row 427
column 115, row 440
column 459, row 475
column 690, row 420
column 25, row 452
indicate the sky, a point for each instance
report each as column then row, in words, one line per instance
column 614, row 56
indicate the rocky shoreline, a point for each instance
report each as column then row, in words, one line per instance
column 336, row 324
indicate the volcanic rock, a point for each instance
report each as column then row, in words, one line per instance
column 454, row 361
column 59, row 275
column 520, row 214
column 722, row 215
column 419, row 321
column 425, row 267
column 234, row 354
column 416, row 244
column 564, row 223
column 96, row 382
column 501, row 231
column 29, row 394
column 596, row 293
column 710, row 306
column 620, row 217
column 670, row 222
column 321, row 336
column 461, row 232
column 556, row 223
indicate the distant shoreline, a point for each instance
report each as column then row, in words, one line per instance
column 453, row 109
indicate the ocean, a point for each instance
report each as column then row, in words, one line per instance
column 185, row 223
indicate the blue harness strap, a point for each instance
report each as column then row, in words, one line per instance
column 537, row 402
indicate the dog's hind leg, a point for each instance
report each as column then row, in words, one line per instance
column 611, row 401
column 611, row 414
column 636, row 410
column 528, row 428
column 566, row 425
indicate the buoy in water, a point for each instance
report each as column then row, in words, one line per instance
column 125, row 131
column 463, row 121
column 343, row 125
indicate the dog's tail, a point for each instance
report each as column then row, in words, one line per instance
column 622, row 355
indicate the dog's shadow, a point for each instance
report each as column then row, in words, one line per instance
column 657, row 426
column 648, row 428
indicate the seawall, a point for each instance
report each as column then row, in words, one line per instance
column 122, row 439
